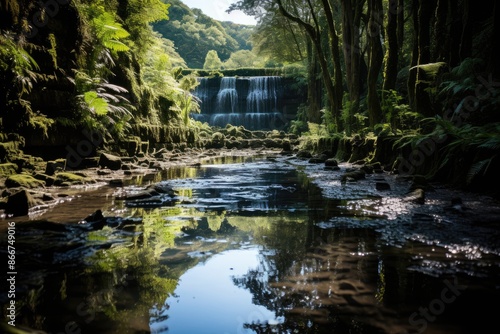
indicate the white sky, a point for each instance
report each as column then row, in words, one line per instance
column 216, row 9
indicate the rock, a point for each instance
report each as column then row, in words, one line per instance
column 331, row 162
column 110, row 161
column 65, row 178
column 381, row 186
column 353, row 176
column 8, row 169
column 318, row 159
column 47, row 198
column 23, row 180
column 163, row 188
column 416, row 196
column 304, row 154
column 20, row 203
column 55, row 166
column 94, row 221
column 367, row 169
column 49, row 180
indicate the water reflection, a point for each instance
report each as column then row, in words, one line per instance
column 254, row 247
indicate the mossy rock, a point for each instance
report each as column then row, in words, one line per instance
column 8, row 150
column 8, row 169
column 23, row 180
column 66, row 178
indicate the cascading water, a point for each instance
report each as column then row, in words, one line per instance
column 254, row 102
column 227, row 98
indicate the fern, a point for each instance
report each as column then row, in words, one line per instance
column 97, row 105
column 480, row 167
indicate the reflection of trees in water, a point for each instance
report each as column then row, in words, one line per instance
column 330, row 283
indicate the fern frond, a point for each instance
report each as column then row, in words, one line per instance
column 478, row 168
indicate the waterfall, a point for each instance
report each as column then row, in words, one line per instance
column 263, row 94
column 254, row 102
column 227, row 97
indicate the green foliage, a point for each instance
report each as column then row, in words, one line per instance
column 96, row 104
column 399, row 116
column 102, row 105
column 239, row 59
column 52, row 51
column 328, row 121
column 194, row 34
column 16, row 60
column 108, row 31
column 212, row 61
column 299, row 125
column 138, row 18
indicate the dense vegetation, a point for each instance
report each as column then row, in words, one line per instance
column 95, row 65
column 424, row 71
column 188, row 27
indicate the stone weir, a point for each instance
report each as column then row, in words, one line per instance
column 257, row 103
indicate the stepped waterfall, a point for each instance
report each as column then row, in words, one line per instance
column 253, row 102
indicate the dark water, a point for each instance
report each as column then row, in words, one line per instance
column 256, row 246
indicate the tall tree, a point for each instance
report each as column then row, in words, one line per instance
column 375, row 59
column 391, row 64
column 352, row 11
column 335, row 52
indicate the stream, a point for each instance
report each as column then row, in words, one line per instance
column 257, row 245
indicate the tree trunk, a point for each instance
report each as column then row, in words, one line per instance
column 391, row 65
column 316, row 40
column 375, row 56
column 314, row 89
column 494, row 66
column 334, row 44
column 441, row 51
column 351, row 19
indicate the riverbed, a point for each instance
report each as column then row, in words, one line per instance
column 261, row 244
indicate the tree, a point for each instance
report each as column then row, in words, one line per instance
column 241, row 58
column 212, row 61
column 375, row 59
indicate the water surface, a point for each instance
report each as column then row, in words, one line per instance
column 256, row 246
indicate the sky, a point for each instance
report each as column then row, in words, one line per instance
column 216, row 9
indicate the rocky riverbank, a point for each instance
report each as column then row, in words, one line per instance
column 25, row 179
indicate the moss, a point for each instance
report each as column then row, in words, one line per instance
column 7, row 169
column 9, row 149
column 23, row 180
column 432, row 70
column 71, row 178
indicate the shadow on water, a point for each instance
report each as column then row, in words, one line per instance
column 251, row 247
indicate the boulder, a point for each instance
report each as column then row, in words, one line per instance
column 23, row 180
column 110, row 161
column 331, row 163
column 18, row 204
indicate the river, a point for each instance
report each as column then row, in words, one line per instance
column 258, row 245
